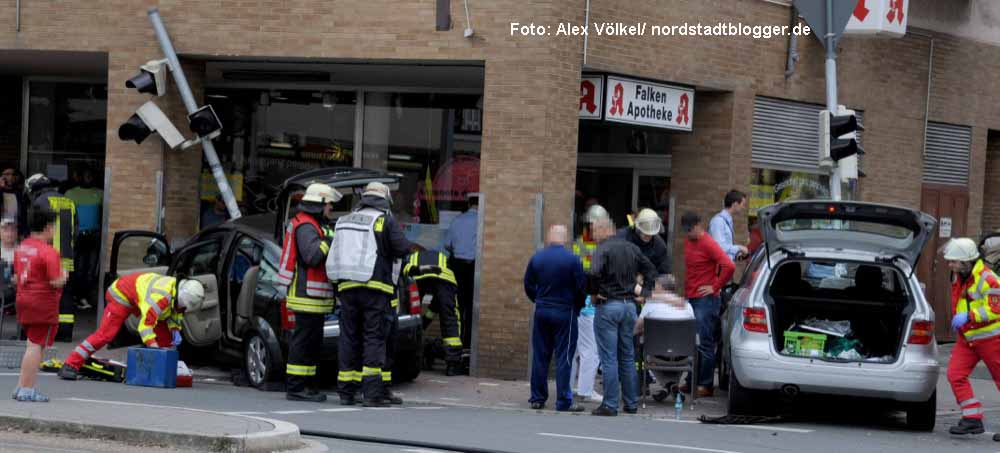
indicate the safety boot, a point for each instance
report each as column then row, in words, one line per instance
column 375, row 402
column 968, row 426
column 69, row 373
column 305, row 396
column 391, row 398
column 453, row 369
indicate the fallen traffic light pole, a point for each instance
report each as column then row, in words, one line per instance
column 192, row 108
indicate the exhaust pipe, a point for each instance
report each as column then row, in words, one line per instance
column 790, row 390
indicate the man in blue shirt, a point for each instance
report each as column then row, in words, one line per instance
column 553, row 281
column 721, row 226
column 460, row 242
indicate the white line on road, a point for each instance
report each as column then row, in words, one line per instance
column 439, row 381
column 631, row 442
column 243, row 413
column 19, row 374
column 428, row 408
column 340, row 409
column 508, row 404
column 450, row 399
column 421, row 450
column 291, row 412
column 760, row 427
column 490, row 384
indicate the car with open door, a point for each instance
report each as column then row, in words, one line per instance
column 244, row 318
column 832, row 306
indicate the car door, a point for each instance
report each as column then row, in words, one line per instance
column 202, row 261
column 135, row 251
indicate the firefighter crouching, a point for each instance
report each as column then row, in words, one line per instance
column 366, row 244
column 310, row 295
column 158, row 300
column 430, row 270
column 975, row 298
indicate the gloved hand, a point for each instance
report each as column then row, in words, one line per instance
column 959, row 320
column 176, row 338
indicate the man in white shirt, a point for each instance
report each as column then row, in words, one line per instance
column 721, row 227
column 667, row 305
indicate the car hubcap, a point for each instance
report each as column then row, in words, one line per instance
column 256, row 360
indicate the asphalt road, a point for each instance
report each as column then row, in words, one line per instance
column 831, row 428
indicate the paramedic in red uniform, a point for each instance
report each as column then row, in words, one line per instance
column 40, row 278
column 975, row 302
column 159, row 302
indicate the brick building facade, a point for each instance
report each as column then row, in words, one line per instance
column 530, row 95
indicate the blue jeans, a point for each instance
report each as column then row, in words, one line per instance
column 706, row 311
column 554, row 331
column 614, row 324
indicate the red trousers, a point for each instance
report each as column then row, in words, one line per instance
column 115, row 315
column 963, row 360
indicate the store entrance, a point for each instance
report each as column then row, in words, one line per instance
column 624, row 184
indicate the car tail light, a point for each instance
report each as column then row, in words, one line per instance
column 415, row 307
column 922, row 332
column 755, row 320
column 287, row 318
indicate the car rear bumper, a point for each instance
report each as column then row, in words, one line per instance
column 408, row 336
column 910, row 380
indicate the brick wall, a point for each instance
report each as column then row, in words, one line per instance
column 182, row 168
column 530, row 93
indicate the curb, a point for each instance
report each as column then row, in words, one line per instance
column 284, row 437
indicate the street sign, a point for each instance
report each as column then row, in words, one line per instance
column 814, row 11
column 879, row 18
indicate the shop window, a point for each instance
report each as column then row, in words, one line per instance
column 67, row 129
column 769, row 186
column 434, row 141
column 610, row 138
column 269, row 136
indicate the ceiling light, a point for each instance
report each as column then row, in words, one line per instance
column 329, row 100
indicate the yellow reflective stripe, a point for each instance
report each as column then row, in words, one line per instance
column 379, row 224
column 386, row 376
column 97, row 368
column 453, row 341
column 369, row 371
column 118, row 296
column 66, row 319
column 324, row 247
column 67, row 264
column 394, row 303
column 371, row 284
column 349, row 376
column 300, row 370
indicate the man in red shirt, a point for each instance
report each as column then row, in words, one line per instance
column 707, row 270
column 39, row 277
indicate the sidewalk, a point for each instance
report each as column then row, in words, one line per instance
column 147, row 424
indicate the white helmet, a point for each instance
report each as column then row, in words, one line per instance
column 36, row 182
column 647, row 222
column 961, row 249
column 190, row 295
column 595, row 213
column 321, row 193
column 377, row 189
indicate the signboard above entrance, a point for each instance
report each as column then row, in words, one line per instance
column 591, row 89
column 879, row 17
column 648, row 104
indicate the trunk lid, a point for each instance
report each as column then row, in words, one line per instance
column 886, row 230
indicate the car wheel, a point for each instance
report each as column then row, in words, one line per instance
column 742, row 401
column 921, row 416
column 259, row 362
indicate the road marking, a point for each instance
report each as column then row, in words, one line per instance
column 450, row 399
column 508, row 404
column 631, row 442
column 291, row 412
column 439, row 381
column 421, row 450
column 28, row 447
column 428, row 408
column 490, row 384
column 384, row 408
column 243, row 413
column 340, row 409
column 19, row 374
column 760, row 427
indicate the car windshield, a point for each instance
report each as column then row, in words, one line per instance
column 892, row 231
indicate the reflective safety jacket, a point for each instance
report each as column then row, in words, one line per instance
column 65, row 228
column 367, row 248
column 151, row 297
column 979, row 296
column 309, row 291
column 585, row 250
column 429, row 264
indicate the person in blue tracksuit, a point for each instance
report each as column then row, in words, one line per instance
column 554, row 281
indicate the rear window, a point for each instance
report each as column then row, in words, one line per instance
column 881, row 229
column 838, row 280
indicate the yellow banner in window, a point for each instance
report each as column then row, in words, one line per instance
column 209, row 188
column 760, row 195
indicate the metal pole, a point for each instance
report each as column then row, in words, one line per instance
column 586, row 24
column 831, row 91
column 192, row 106
column 18, row 14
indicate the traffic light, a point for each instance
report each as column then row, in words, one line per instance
column 151, row 79
column 205, row 123
column 838, row 136
column 148, row 119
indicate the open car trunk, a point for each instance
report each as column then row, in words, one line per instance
column 813, row 301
